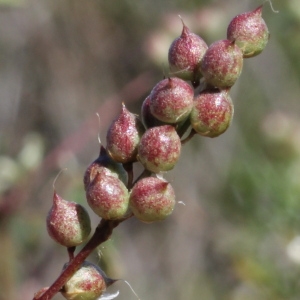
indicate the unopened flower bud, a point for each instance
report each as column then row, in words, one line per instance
column 222, row 64
column 68, row 223
column 108, row 197
column 185, row 55
column 212, row 112
column 124, row 136
column 152, row 199
column 88, row 283
column 171, row 100
column 159, row 148
column 106, row 165
column 249, row 31
column 147, row 117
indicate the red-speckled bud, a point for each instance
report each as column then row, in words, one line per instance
column 124, row 136
column 212, row 112
column 249, row 31
column 147, row 117
column 152, row 199
column 68, row 223
column 185, row 55
column 222, row 64
column 108, row 197
column 159, row 149
column 104, row 164
column 171, row 100
column 87, row 283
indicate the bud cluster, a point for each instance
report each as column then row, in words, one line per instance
column 196, row 96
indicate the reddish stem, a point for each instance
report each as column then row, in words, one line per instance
column 71, row 251
column 102, row 234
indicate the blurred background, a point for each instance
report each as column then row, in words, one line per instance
column 237, row 236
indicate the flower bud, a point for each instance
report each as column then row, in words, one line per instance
column 171, row 100
column 159, row 148
column 212, row 112
column 124, row 136
column 152, row 199
column 147, row 117
column 68, row 223
column 104, row 164
column 249, row 31
column 108, row 197
column 222, row 64
column 185, row 55
column 88, row 283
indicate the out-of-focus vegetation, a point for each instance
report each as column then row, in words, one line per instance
column 238, row 235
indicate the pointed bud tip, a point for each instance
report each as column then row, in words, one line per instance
column 56, row 198
column 185, row 29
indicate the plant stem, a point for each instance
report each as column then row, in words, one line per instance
column 102, row 234
column 129, row 169
column 71, row 251
column 189, row 137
